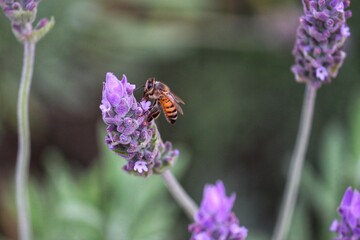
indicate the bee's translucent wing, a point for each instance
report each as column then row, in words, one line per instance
column 178, row 108
column 176, row 100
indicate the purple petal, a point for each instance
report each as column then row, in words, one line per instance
column 346, row 201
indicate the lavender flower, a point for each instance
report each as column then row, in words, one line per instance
column 128, row 132
column 348, row 228
column 320, row 39
column 214, row 220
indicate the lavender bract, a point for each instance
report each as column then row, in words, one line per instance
column 318, row 49
column 128, row 132
column 214, row 220
column 348, row 228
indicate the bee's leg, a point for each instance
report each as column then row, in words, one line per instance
column 145, row 98
column 154, row 113
column 155, row 103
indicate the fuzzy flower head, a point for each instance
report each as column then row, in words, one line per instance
column 215, row 220
column 348, row 228
column 320, row 39
column 129, row 134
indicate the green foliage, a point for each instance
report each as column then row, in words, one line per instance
column 101, row 203
column 323, row 188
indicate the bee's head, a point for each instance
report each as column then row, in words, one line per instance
column 149, row 87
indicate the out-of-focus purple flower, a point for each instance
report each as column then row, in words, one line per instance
column 320, row 39
column 21, row 11
column 348, row 228
column 128, row 132
column 22, row 14
column 215, row 220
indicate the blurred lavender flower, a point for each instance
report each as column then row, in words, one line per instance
column 348, row 228
column 320, row 39
column 214, row 220
column 128, row 132
column 22, row 14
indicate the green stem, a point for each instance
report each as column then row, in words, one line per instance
column 23, row 156
column 292, row 185
column 179, row 194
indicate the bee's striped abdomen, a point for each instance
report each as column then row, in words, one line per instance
column 169, row 110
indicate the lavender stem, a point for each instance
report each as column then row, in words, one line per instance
column 23, row 155
column 293, row 181
column 179, row 194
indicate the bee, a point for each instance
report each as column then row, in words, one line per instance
column 163, row 99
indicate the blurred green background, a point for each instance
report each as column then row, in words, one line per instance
column 229, row 60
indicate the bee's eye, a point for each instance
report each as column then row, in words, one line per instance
column 150, row 85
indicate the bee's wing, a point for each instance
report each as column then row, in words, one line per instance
column 176, row 100
column 178, row 108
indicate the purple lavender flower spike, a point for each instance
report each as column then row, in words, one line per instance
column 128, row 132
column 348, row 228
column 320, row 39
column 214, row 219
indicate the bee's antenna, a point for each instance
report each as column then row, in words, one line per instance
column 142, row 86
